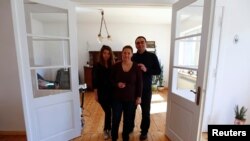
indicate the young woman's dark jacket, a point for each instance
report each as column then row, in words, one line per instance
column 101, row 81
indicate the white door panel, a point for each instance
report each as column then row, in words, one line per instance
column 48, row 65
column 189, row 50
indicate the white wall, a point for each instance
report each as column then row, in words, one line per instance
column 124, row 34
column 11, row 118
column 233, row 77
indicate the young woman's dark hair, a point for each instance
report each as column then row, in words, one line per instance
column 111, row 59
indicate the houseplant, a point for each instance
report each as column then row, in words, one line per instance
column 160, row 86
column 154, row 82
column 240, row 114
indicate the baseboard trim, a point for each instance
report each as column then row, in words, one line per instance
column 12, row 133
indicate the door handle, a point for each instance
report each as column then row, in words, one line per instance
column 193, row 91
column 198, row 94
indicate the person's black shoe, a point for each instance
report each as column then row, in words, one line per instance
column 131, row 130
column 143, row 137
column 126, row 139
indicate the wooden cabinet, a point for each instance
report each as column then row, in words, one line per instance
column 117, row 55
column 93, row 57
column 88, row 77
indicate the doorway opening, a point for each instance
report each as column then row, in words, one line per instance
column 124, row 25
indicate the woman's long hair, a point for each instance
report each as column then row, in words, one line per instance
column 110, row 60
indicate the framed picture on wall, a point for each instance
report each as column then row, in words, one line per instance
column 150, row 44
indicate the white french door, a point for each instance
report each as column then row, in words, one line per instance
column 45, row 34
column 190, row 42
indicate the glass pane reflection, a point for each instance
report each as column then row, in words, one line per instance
column 188, row 51
column 189, row 20
column 184, row 81
column 48, row 52
column 50, row 81
column 46, row 20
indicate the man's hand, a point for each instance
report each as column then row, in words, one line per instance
column 142, row 67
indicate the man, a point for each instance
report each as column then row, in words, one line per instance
column 149, row 64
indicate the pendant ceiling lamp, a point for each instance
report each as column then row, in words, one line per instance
column 103, row 22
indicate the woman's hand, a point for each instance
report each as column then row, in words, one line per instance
column 121, row 85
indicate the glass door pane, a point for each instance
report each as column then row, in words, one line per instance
column 189, row 20
column 45, row 20
column 48, row 52
column 50, row 81
column 184, row 83
column 187, row 52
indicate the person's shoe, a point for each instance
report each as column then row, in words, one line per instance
column 143, row 137
column 131, row 130
column 106, row 134
column 109, row 132
column 125, row 138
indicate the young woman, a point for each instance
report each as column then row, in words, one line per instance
column 103, row 87
column 126, row 77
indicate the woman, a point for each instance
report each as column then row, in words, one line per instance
column 102, row 85
column 126, row 77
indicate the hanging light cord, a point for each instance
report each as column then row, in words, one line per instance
column 103, row 21
column 105, row 24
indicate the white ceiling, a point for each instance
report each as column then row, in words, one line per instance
column 125, row 11
column 126, row 2
column 128, row 14
column 119, row 11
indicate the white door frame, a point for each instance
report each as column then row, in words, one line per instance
column 213, row 66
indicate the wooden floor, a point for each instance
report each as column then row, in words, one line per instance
column 13, row 138
column 94, row 116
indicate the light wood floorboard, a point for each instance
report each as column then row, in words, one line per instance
column 94, row 120
column 13, row 138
